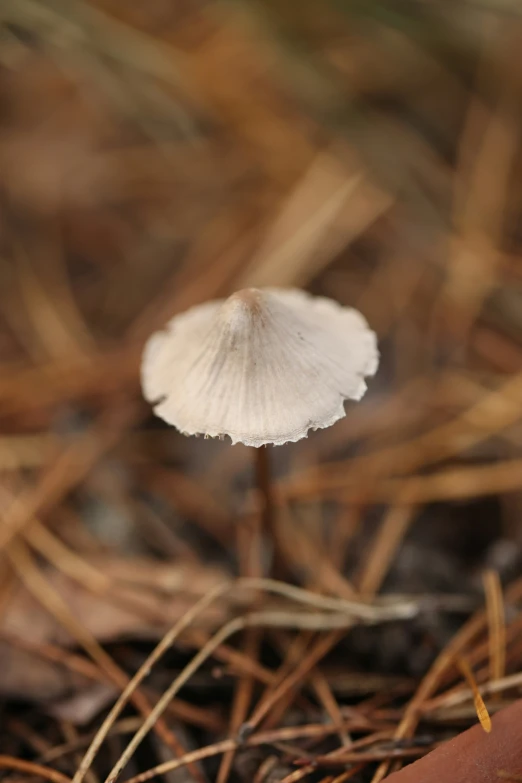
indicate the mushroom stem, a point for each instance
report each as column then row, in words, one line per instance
column 264, row 485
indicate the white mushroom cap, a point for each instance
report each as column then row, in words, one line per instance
column 263, row 366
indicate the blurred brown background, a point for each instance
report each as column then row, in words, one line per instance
column 155, row 155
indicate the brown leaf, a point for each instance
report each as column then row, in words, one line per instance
column 473, row 756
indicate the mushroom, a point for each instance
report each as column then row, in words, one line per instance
column 264, row 366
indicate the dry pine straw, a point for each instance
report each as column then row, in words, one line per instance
column 104, row 379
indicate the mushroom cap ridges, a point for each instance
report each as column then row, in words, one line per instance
column 263, row 366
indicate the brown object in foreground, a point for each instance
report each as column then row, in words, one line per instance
column 473, row 756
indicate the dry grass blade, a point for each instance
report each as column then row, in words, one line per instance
column 326, row 210
column 456, row 698
column 242, row 699
column 347, row 775
column 460, row 483
column 272, row 700
column 29, row 768
column 307, row 554
column 229, row 630
column 56, row 320
column 358, row 610
column 90, row 24
column 294, row 241
column 494, row 412
column 140, row 675
column 480, row 707
column 330, row 619
column 392, row 531
column 261, row 738
column 327, row 698
column 20, row 452
column 261, row 619
column 249, row 545
column 68, row 469
column 444, row 661
column 71, row 661
column 481, row 207
column 72, row 736
column 321, row 648
column 496, row 624
column 36, row 583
